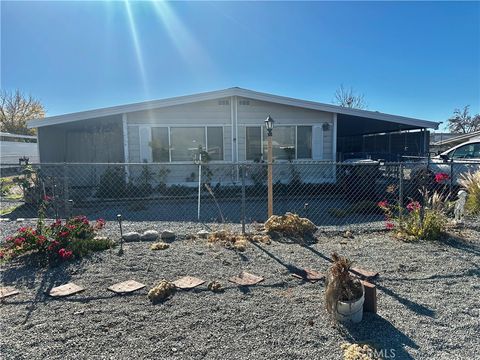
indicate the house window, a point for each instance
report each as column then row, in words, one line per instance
column 304, row 142
column 159, row 144
column 215, row 142
column 283, row 142
column 253, row 143
column 185, row 142
column 288, row 142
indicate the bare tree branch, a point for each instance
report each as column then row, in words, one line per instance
column 347, row 98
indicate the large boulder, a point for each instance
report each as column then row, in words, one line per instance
column 167, row 235
column 149, row 235
column 131, row 236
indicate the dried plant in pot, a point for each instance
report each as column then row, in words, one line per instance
column 344, row 293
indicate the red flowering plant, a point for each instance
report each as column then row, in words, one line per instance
column 60, row 241
column 414, row 220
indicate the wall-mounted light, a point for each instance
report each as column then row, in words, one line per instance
column 325, row 126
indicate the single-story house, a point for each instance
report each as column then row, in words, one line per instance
column 229, row 125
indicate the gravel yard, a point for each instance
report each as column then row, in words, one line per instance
column 428, row 301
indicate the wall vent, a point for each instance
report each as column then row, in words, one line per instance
column 244, row 102
column 223, row 102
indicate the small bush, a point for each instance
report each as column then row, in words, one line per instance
column 290, row 225
column 414, row 221
column 162, row 291
column 359, row 352
column 159, row 246
column 112, row 183
column 229, row 239
column 58, row 241
column 471, row 182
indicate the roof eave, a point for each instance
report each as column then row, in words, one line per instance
column 149, row 105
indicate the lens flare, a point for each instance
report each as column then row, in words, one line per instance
column 136, row 44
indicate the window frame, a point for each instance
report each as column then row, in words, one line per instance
column 295, row 126
column 170, row 126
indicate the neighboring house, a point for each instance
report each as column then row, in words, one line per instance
column 453, row 140
column 229, row 124
column 13, row 147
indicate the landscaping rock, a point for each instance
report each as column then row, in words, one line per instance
column 167, row 235
column 131, row 236
column 203, row 234
column 149, row 235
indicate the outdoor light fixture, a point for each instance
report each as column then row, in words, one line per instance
column 119, row 219
column 269, row 125
column 325, row 126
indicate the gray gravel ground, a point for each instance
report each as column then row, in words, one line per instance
column 428, row 301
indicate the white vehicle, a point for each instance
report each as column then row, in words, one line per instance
column 454, row 162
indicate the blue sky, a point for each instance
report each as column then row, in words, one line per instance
column 415, row 59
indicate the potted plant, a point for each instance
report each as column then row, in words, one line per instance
column 344, row 294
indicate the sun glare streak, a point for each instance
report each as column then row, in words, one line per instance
column 136, row 44
column 189, row 48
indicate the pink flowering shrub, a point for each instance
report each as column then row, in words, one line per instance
column 60, row 241
column 413, row 222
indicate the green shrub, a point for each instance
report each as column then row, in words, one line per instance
column 471, row 182
column 112, row 183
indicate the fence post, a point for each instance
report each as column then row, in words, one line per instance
column 451, row 176
column 66, row 193
column 400, row 193
column 243, row 198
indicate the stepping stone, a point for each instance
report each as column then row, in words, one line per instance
column 246, row 279
column 126, row 287
column 188, row 282
column 65, row 290
column 8, row 291
column 308, row 275
column 365, row 273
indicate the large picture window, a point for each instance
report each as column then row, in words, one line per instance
column 160, row 145
column 215, row 142
column 288, row 142
column 253, row 143
column 304, row 142
column 283, row 142
column 185, row 142
column 182, row 143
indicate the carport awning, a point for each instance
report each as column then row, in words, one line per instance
column 349, row 125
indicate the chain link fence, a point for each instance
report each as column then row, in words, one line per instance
column 333, row 195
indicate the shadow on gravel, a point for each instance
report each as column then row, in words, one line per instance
column 291, row 268
column 411, row 305
column 379, row 332
column 459, row 243
column 28, row 270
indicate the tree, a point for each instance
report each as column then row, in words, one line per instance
column 462, row 122
column 16, row 109
column 347, row 98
